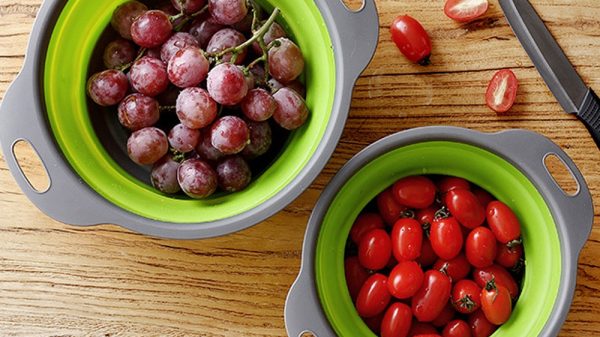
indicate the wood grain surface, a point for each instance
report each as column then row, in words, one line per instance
column 58, row 280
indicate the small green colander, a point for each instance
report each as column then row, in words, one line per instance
column 510, row 165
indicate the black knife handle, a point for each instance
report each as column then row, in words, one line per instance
column 589, row 113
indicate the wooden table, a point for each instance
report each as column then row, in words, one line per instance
column 58, row 280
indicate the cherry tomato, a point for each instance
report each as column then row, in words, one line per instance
column 500, row 275
column 428, row 335
column 448, row 184
column 480, row 247
column 375, row 249
column 457, row 328
column 483, row 196
column 446, row 238
column 480, row 326
column 419, row 328
column 430, row 300
column 396, row 321
column 428, row 256
column 509, row 257
column 445, row 316
column 465, row 207
column 457, row 269
column 502, row 91
column 405, row 279
column 426, row 215
column 465, row 10
column 407, row 239
column 496, row 303
column 356, row 275
column 503, row 222
column 411, row 38
column 373, row 297
column 466, row 296
column 414, row 192
column 374, row 323
column 365, row 223
column 388, row 207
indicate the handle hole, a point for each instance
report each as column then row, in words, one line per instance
column 561, row 174
column 307, row 334
column 31, row 166
column 353, row 5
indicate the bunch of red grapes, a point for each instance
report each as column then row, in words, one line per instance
column 435, row 257
column 227, row 72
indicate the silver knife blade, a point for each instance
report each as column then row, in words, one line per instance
column 547, row 56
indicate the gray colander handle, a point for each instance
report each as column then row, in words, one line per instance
column 66, row 200
column 302, row 310
column 533, row 149
column 358, row 32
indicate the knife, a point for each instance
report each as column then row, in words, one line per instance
column 567, row 86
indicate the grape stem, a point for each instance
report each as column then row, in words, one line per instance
column 167, row 108
column 257, row 36
column 187, row 17
column 126, row 66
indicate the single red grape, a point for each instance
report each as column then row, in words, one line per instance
column 108, row 87
column 233, row 174
column 188, row 67
column 274, row 32
column 286, row 62
column 230, row 134
column 195, row 108
column 197, row 179
column 164, row 175
column 291, row 112
column 149, row 76
column 228, row 12
column 204, row 30
column 138, row 111
column 258, row 105
column 151, row 29
column 260, row 139
column 188, row 6
column 224, row 39
column 146, row 146
column 205, row 149
column 176, row 43
column 183, row 139
column 118, row 53
column 227, row 84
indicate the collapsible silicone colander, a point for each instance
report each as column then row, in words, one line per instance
column 81, row 146
column 509, row 164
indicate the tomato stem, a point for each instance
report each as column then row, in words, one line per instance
column 514, row 243
column 442, row 213
column 425, row 61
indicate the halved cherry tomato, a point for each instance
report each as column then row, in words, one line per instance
column 446, row 238
column 414, row 192
column 480, row 247
column 457, row 328
column 412, row 39
column 496, row 303
column 448, row 184
column 502, row 91
column 428, row 256
column 445, row 316
column 396, row 321
column 430, row 300
column 375, row 249
column 501, row 276
column 509, row 257
column 374, row 323
column 420, row 328
column 457, row 269
column 466, row 296
column 365, row 223
column 503, row 222
column 356, row 275
column 407, row 239
column 483, row 196
column 388, row 207
column 465, row 207
column 373, row 297
column 465, row 10
column 480, row 326
column 405, row 279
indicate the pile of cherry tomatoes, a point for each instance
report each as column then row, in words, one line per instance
column 434, row 256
